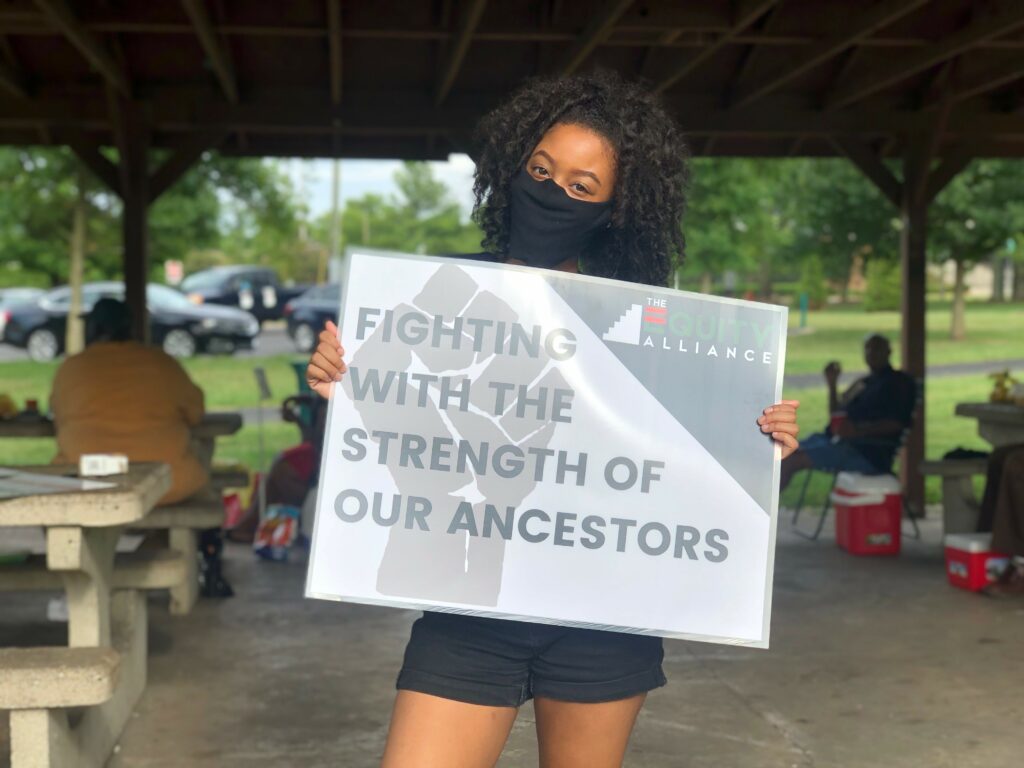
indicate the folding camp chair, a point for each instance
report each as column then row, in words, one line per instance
column 896, row 444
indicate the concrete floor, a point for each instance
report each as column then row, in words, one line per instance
column 874, row 662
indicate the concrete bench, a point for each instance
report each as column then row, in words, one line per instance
column 38, row 685
column 960, row 505
column 144, row 569
column 182, row 521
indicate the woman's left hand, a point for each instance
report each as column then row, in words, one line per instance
column 779, row 421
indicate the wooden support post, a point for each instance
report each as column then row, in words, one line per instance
column 913, row 195
column 914, row 215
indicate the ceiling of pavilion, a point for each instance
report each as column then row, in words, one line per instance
column 408, row 78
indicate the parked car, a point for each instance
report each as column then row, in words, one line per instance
column 181, row 327
column 9, row 297
column 254, row 289
column 307, row 314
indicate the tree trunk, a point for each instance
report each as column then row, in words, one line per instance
column 335, row 225
column 765, row 278
column 1018, row 280
column 958, row 327
column 706, row 282
column 998, row 278
column 74, row 334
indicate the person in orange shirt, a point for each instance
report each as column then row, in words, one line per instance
column 120, row 396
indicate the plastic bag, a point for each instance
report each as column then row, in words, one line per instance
column 277, row 532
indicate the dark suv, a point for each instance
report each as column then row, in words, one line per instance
column 307, row 314
column 255, row 289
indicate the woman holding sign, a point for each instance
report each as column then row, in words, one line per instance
column 580, row 174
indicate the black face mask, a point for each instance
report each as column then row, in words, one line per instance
column 547, row 226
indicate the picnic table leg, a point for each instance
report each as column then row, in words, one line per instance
column 85, row 556
column 184, row 596
column 96, row 617
column 46, row 739
column 960, row 506
column 101, row 727
column 40, row 739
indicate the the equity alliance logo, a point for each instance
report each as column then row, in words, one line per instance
column 728, row 335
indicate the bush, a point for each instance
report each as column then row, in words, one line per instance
column 883, row 290
column 812, row 282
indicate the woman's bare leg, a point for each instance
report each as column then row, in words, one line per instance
column 432, row 732
column 573, row 735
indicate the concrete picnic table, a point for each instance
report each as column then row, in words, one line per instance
column 998, row 423
column 82, row 529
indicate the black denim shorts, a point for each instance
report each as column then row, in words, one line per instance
column 502, row 663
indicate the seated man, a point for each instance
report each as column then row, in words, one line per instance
column 119, row 396
column 867, row 420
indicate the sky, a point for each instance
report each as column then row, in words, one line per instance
column 312, row 180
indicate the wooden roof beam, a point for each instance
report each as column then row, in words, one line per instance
column 986, row 81
column 334, row 48
column 216, row 52
column 954, row 161
column 753, row 55
column 469, row 18
column 12, row 81
column 746, row 12
column 11, row 77
column 872, row 167
column 880, row 77
column 879, row 17
column 601, row 24
column 89, row 153
column 182, row 158
column 87, row 44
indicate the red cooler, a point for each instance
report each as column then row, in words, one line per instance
column 869, row 509
column 970, row 562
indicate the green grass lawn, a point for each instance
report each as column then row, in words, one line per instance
column 227, row 381
column 994, row 332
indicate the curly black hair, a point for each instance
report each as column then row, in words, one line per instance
column 651, row 168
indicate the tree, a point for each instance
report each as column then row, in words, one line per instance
column 735, row 219
column 243, row 204
column 884, row 289
column 38, row 193
column 242, row 209
column 421, row 218
column 812, row 281
column 972, row 219
column 841, row 214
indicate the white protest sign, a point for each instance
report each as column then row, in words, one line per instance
column 529, row 444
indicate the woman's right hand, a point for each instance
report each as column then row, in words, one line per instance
column 325, row 365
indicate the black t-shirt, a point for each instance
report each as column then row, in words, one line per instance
column 885, row 395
